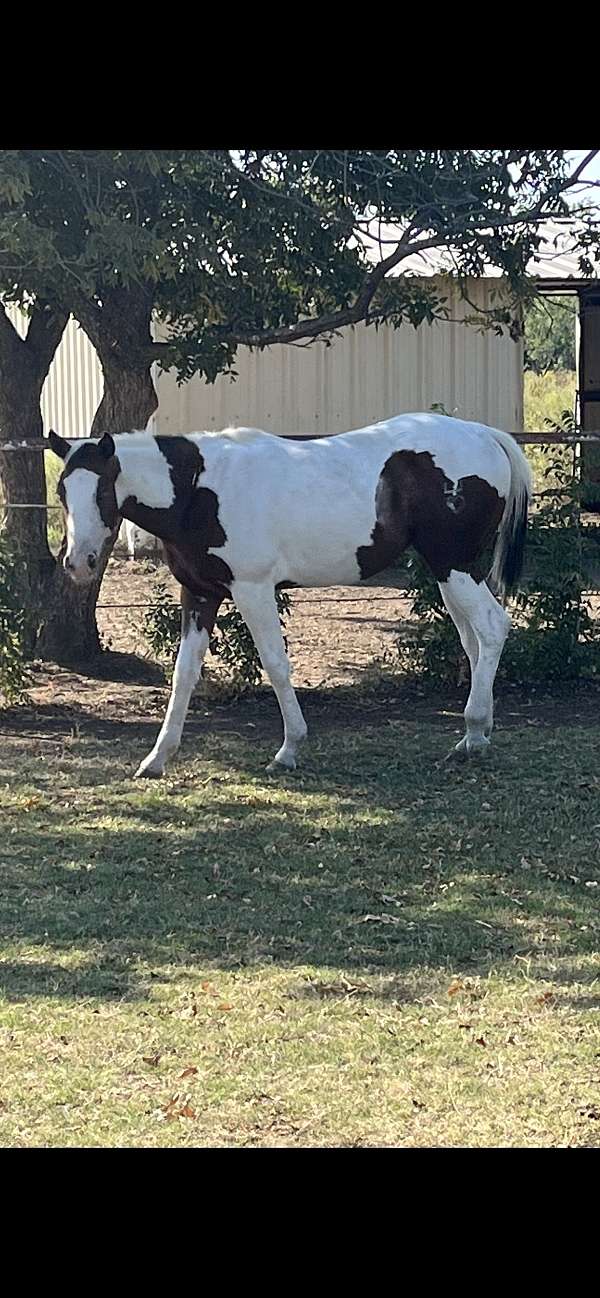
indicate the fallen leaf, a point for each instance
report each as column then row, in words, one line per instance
column 455, row 986
column 480, row 1041
column 379, row 919
column 224, row 1007
column 151, row 1059
column 190, row 1071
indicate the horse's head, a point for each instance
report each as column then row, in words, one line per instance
column 86, row 489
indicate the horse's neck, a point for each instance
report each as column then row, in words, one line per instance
column 144, row 485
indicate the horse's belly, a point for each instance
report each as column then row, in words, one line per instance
column 325, row 556
column 341, row 570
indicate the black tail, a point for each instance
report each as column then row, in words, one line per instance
column 510, row 544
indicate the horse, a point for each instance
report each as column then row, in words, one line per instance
column 242, row 513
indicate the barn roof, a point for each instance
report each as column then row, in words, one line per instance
column 555, row 263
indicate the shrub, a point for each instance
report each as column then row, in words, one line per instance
column 231, row 642
column 13, row 673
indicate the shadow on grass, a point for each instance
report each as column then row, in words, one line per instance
column 131, row 718
column 388, row 867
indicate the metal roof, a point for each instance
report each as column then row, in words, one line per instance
column 556, row 259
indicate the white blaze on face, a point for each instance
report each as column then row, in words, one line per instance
column 86, row 533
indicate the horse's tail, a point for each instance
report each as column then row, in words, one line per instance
column 507, row 562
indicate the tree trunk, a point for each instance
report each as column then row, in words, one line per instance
column 129, row 399
column 59, row 618
column 120, row 330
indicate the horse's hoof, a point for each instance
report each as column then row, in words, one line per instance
column 149, row 772
column 280, row 768
column 464, row 751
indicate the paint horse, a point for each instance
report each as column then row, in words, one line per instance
column 242, row 513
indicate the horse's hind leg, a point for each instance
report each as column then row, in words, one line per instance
column 483, row 627
column 467, row 637
column 256, row 603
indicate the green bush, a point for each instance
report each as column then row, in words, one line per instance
column 550, row 334
column 231, row 642
column 555, row 637
column 549, row 402
column 56, row 526
column 13, row 673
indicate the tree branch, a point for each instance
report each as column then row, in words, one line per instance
column 582, row 166
column 10, row 338
column 359, row 311
column 46, row 327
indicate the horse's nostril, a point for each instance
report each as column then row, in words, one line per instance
column 91, row 561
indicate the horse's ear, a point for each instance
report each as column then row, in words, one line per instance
column 58, row 445
column 106, row 446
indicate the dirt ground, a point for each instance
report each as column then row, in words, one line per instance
column 335, row 638
column 333, row 634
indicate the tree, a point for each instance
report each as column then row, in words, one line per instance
column 254, row 247
column 550, row 334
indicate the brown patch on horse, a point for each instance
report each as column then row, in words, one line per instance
column 200, row 610
column 190, row 526
column 449, row 524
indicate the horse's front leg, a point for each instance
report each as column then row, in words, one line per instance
column 197, row 621
column 257, row 606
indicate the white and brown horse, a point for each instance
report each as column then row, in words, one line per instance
column 242, row 512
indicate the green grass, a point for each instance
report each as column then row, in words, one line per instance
column 547, row 396
column 380, row 950
column 53, row 467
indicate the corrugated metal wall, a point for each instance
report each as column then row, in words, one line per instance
column 364, row 376
column 74, row 386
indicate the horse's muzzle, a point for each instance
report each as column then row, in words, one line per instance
column 81, row 572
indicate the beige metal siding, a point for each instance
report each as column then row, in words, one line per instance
column 365, row 375
column 74, row 386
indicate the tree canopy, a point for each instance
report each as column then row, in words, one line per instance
column 550, row 334
column 257, row 246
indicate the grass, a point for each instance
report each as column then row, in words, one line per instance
column 53, row 467
column 547, row 396
column 380, row 950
